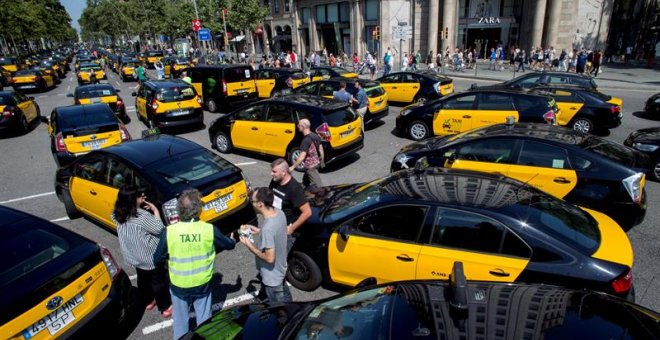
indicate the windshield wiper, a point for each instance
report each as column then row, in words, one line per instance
column 187, row 181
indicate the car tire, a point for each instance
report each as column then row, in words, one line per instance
column 222, row 142
column 24, row 124
column 303, row 273
column 292, row 155
column 583, row 125
column 655, row 170
column 420, row 100
column 212, row 106
column 418, row 130
column 71, row 210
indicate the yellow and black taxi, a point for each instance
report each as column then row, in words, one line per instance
column 274, row 80
column 17, row 111
column 416, row 86
column 467, row 110
column 224, row 86
column 415, row 223
column 648, row 142
column 327, row 72
column 583, row 109
column 101, row 93
column 52, row 68
column 90, row 73
column 162, row 166
column 78, row 129
column 83, row 60
column 56, row 283
column 31, row 80
column 127, row 68
column 270, row 127
column 173, row 66
column 439, row 309
column 378, row 106
column 168, row 103
column 9, row 65
column 531, row 79
column 580, row 168
column 152, row 57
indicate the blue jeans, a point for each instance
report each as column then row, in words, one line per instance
column 181, row 308
column 279, row 293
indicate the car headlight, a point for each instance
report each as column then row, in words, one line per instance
column 402, row 159
column 405, row 112
column 633, row 186
column 645, row 147
column 657, row 100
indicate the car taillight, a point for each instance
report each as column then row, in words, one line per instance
column 113, row 267
column 125, row 136
column 8, row 112
column 633, row 186
column 12, row 80
column 615, row 109
column 37, row 78
column 59, row 143
column 170, row 211
column 154, row 104
column 324, row 132
column 224, row 87
column 550, row 117
column 436, row 87
column 120, row 104
column 623, row 283
column 199, row 100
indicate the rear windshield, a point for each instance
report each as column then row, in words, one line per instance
column 25, row 252
column 613, row 151
column 192, row 166
column 95, row 92
column 175, row 94
column 238, row 74
column 374, row 92
column 26, row 73
column 340, row 70
column 7, row 62
column 91, row 119
column 182, row 61
column 599, row 95
column 6, row 100
column 298, row 75
column 156, row 54
column 90, row 66
column 340, row 117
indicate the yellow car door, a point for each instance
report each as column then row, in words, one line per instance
column 568, row 103
column 247, row 128
column 265, row 83
column 141, row 102
column 391, row 84
column 381, row 243
column 493, row 108
column 455, row 114
column 545, row 167
column 85, row 182
column 491, row 155
column 489, row 251
column 409, row 87
column 278, row 130
column 27, row 106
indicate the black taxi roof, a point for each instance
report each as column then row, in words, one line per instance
column 142, row 152
column 309, row 100
column 546, row 132
column 166, row 83
column 364, row 82
column 75, row 110
column 281, row 69
column 214, row 67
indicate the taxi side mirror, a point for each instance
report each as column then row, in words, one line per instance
column 117, row 90
column 133, row 94
column 69, row 95
column 343, row 232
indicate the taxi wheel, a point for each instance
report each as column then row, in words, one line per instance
column 303, row 272
column 71, row 211
column 25, row 125
column 420, row 99
column 656, row 171
column 418, row 130
column 222, row 142
column 212, row 106
column 293, row 155
column 583, row 125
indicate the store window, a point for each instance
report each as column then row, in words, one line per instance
column 344, row 12
column 287, row 5
column 276, row 6
column 305, row 15
column 372, row 9
column 320, row 14
column 333, row 13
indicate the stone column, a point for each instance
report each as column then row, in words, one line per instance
column 357, row 28
column 313, row 37
column 450, row 21
column 434, row 10
column 551, row 30
column 538, row 23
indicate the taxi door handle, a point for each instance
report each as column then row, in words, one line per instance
column 393, row 87
column 255, row 128
column 574, row 108
column 405, row 258
column 561, row 180
column 499, row 272
column 415, row 87
column 92, row 192
column 288, row 131
column 467, row 116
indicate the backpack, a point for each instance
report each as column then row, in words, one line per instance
column 387, row 58
column 314, row 154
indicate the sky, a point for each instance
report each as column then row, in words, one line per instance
column 75, row 8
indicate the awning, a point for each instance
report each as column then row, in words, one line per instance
column 237, row 38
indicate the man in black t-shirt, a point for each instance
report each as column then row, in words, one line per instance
column 289, row 197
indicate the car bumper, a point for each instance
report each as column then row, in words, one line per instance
column 112, row 312
column 26, row 86
column 233, row 220
column 373, row 116
column 239, row 101
column 8, row 123
column 627, row 214
column 334, row 154
column 164, row 121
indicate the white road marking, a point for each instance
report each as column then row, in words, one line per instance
column 131, row 107
column 42, row 96
column 245, row 163
column 62, row 94
column 68, row 87
column 27, row 197
column 60, row 219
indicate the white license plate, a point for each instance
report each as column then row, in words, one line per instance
column 95, row 100
column 28, row 86
column 219, row 204
column 179, row 112
column 94, row 145
column 241, row 91
column 56, row 320
column 346, row 133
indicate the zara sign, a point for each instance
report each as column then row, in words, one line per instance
column 489, row 20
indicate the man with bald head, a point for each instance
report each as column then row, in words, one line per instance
column 311, row 155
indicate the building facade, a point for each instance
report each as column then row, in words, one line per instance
column 357, row 26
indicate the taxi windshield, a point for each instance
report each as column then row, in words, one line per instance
column 94, row 92
column 355, row 199
column 26, row 73
column 175, row 94
column 90, row 67
column 191, row 166
column 5, row 100
column 7, row 61
column 340, row 70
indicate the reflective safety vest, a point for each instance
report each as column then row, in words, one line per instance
column 192, row 254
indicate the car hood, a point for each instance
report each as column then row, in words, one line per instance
column 427, row 144
column 256, row 321
column 646, row 135
column 321, row 198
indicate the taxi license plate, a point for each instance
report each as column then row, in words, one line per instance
column 218, row 204
column 94, row 145
column 178, row 113
column 243, row 91
column 56, row 320
column 29, row 86
column 346, row 133
column 95, row 100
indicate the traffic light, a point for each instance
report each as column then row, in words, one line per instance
column 376, row 33
column 446, row 32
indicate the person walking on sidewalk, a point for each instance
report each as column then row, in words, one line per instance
column 362, row 103
column 596, row 63
column 493, row 56
column 520, row 59
column 311, row 155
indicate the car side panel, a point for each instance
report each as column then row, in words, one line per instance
column 265, row 87
column 449, row 122
column 567, row 110
column 497, row 168
column 275, row 137
column 94, row 199
column 245, row 135
column 556, row 182
column 353, row 260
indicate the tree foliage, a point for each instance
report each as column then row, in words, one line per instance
column 32, row 20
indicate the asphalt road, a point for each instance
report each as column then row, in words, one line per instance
column 28, row 173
